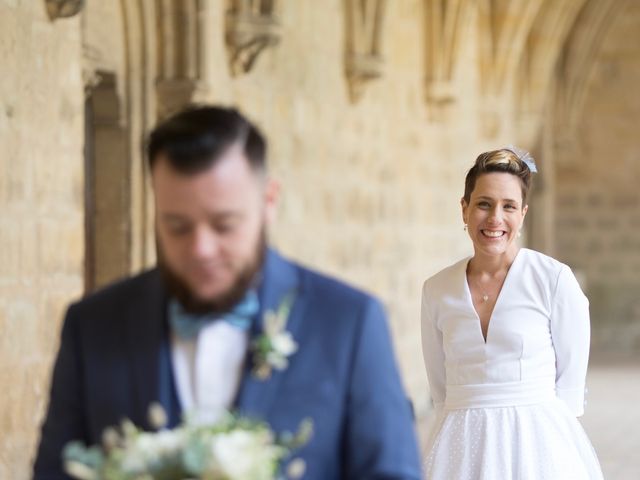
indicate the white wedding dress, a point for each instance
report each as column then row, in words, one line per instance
column 506, row 408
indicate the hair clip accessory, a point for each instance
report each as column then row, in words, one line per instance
column 524, row 156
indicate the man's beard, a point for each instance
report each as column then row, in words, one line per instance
column 245, row 279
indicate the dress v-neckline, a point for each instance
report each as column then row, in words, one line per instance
column 467, row 288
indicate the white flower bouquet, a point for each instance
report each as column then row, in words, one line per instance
column 229, row 449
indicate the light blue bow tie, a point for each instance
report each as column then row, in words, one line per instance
column 187, row 325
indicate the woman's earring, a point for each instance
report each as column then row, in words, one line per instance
column 465, row 227
column 519, row 233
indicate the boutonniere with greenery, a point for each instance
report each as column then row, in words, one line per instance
column 272, row 348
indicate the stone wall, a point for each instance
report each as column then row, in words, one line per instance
column 598, row 199
column 370, row 190
column 41, row 212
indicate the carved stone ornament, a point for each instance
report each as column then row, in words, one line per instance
column 446, row 23
column 251, row 27
column 180, row 48
column 363, row 59
column 63, row 8
column 360, row 70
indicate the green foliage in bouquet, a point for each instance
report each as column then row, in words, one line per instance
column 230, row 448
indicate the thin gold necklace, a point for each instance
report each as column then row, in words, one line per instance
column 484, row 295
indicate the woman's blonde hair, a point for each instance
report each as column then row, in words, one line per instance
column 503, row 160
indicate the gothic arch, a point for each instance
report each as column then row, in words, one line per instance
column 576, row 63
column 503, row 30
column 525, row 46
column 596, row 152
column 534, row 79
column 561, row 46
column 553, row 77
column 161, row 71
column 504, row 26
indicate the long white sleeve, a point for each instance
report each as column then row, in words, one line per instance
column 433, row 352
column 570, row 332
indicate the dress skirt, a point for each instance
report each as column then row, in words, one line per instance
column 542, row 441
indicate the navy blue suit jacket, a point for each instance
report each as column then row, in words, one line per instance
column 114, row 361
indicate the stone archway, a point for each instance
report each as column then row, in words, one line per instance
column 151, row 66
column 119, row 70
column 597, row 170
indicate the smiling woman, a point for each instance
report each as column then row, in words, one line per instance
column 505, row 337
column 494, row 214
column 493, row 211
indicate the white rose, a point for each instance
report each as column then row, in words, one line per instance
column 284, row 344
column 277, row 361
column 169, row 442
column 244, row 455
column 132, row 462
column 151, row 448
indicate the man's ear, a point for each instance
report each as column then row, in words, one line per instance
column 271, row 196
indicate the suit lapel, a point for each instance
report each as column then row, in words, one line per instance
column 149, row 353
column 280, row 278
column 149, row 350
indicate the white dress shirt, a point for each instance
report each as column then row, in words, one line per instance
column 208, row 368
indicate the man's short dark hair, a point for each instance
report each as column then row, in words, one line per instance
column 192, row 140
